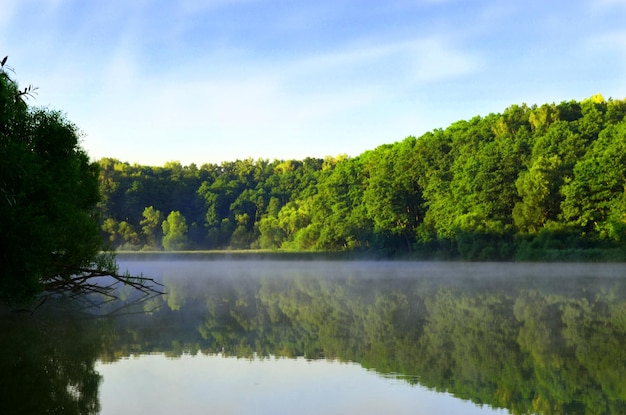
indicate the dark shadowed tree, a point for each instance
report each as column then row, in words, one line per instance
column 49, row 235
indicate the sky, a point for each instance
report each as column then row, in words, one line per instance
column 208, row 81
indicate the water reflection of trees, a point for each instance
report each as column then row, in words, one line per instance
column 549, row 346
column 47, row 366
column 550, row 349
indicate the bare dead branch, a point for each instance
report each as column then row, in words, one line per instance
column 82, row 283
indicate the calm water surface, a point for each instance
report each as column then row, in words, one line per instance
column 334, row 337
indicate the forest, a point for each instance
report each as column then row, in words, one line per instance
column 532, row 183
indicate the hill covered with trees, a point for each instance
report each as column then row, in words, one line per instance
column 534, row 182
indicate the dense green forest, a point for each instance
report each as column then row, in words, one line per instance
column 534, row 182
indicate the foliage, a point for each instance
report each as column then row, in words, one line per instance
column 175, row 232
column 483, row 188
column 49, row 231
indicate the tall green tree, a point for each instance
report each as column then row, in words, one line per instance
column 152, row 218
column 339, row 218
column 175, row 232
column 48, row 194
column 393, row 198
column 539, row 190
column 594, row 198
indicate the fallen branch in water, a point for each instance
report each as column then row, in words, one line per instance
column 97, row 287
column 81, row 283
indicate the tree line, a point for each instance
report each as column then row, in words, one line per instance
column 534, row 182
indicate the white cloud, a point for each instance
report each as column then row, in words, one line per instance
column 220, row 116
column 147, row 78
column 436, row 60
column 266, row 109
column 362, row 74
column 197, row 6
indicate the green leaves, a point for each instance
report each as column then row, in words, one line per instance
column 150, row 224
column 175, row 232
column 539, row 190
column 485, row 188
column 49, row 191
column 596, row 193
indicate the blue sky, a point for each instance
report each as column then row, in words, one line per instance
column 150, row 81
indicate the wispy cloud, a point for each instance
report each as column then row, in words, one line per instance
column 264, row 105
column 197, row 6
column 264, row 78
column 607, row 3
column 437, row 60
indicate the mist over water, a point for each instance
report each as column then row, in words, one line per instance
column 374, row 269
column 572, row 277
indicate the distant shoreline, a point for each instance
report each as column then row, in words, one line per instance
column 245, row 255
column 256, row 254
